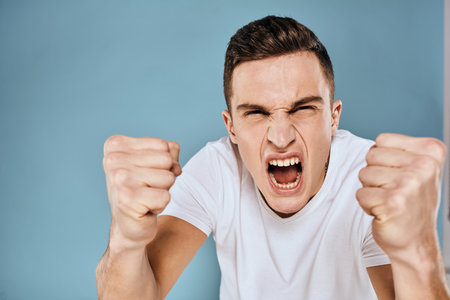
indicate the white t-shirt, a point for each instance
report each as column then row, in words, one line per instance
column 321, row 252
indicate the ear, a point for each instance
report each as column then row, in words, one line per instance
column 335, row 115
column 229, row 124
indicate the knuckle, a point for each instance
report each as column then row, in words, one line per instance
column 174, row 145
column 437, row 147
column 432, row 144
column 112, row 158
column 164, row 197
column 362, row 174
column 166, row 159
column 360, row 194
column 409, row 180
column 412, row 186
column 371, row 155
column 161, row 144
column 113, row 142
column 115, row 157
column 426, row 162
column 119, row 176
column 380, row 138
column 125, row 194
column 396, row 200
column 105, row 163
column 170, row 178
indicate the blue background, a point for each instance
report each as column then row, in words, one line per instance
column 73, row 73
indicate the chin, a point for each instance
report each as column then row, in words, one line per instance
column 286, row 206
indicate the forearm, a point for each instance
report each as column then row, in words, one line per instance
column 125, row 274
column 419, row 273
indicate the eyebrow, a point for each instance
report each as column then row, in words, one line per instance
column 300, row 102
column 306, row 100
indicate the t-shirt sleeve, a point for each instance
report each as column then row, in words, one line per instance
column 193, row 195
column 372, row 254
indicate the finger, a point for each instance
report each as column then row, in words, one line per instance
column 155, row 178
column 147, row 200
column 142, row 177
column 122, row 143
column 378, row 176
column 174, row 149
column 419, row 145
column 390, row 157
column 154, row 200
column 138, row 158
column 372, row 201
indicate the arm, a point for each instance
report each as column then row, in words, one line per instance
column 139, row 174
column 149, row 273
column 125, row 274
column 409, row 278
column 172, row 250
column 382, row 281
column 401, row 187
column 419, row 272
column 421, row 278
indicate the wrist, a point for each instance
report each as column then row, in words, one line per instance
column 120, row 246
column 421, row 256
column 419, row 271
column 119, row 243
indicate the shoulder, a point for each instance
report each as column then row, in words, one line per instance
column 348, row 156
column 214, row 159
column 221, row 149
column 344, row 139
column 349, row 149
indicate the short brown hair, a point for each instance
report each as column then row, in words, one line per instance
column 268, row 37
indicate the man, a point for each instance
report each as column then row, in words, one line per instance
column 284, row 194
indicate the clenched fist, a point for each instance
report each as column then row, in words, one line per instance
column 139, row 173
column 401, row 188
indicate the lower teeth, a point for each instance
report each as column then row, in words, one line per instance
column 285, row 185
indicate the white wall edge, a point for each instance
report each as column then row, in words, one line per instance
column 446, row 198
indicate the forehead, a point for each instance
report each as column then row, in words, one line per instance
column 278, row 80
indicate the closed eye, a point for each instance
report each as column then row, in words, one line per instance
column 256, row 112
column 305, row 107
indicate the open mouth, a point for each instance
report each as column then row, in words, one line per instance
column 285, row 173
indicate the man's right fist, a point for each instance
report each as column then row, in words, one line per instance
column 139, row 174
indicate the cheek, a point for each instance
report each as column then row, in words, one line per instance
column 316, row 135
column 310, row 131
column 251, row 133
column 319, row 151
column 250, row 138
column 315, row 128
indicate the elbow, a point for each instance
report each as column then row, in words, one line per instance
column 98, row 280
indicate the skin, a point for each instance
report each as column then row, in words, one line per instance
column 401, row 186
column 139, row 173
column 281, row 107
column 146, row 255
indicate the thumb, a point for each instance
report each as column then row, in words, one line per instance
column 174, row 149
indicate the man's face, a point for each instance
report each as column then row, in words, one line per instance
column 282, row 123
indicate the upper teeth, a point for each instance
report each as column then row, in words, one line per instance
column 284, row 162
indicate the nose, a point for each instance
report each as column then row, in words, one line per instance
column 281, row 132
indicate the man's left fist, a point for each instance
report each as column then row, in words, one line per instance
column 401, row 188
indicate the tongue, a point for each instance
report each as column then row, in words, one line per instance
column 285, row 174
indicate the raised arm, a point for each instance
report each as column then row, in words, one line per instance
column 401, row 188
column 143, row 258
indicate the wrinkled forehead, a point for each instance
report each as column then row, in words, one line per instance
column 279, row 79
